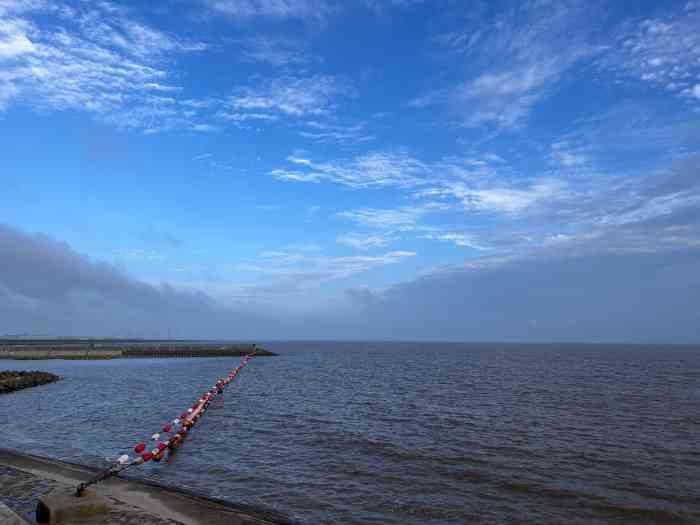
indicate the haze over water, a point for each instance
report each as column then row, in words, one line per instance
column 398, row 433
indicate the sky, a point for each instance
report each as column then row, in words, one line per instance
column 369, row 169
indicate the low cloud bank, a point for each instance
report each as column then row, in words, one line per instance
column 48, row 288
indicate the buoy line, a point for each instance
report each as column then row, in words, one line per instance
column 177, row 429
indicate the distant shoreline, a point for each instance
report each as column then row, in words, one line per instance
column 57, row 340
column 32, row 349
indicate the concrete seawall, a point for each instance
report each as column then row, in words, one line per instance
column 55, row 349
column 24, row 478
column 35, row 353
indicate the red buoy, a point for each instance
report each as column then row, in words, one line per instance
column 140, row 448
column 167, row 428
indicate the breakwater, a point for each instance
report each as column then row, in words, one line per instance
column 11, row 380
column 114, row 349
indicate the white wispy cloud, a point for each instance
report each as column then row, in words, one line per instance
column 297, row 176
column 205, row 128
column 477, row 183
column 97, row 60
column 651, row 207
column 568, row 156
column 514, row 62
column 208, row 159
column 8, row 7
column 383, row 5
column 307, row 10
column 664, row 51
column 376, row 169
column 7, row 92
column 359, row 241
column 274, row 50
column 273, row 9
column 520, row 58
column 330, row 133
column 403, row 218
column 336, row 266
column 290, row 96
column 110, row 26
column 482, row 184
column 459, row 239
column 510, row 200
column 694, row 91
column 639, row 215
column 202, row 156
column 634, row 133
column 288, row 272
column 242, row 118
column 506, row 98
column 14, row 38
column 155, row 86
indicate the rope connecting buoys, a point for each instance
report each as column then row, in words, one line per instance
column 173, row 433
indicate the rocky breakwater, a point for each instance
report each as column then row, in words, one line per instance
column 11, row 380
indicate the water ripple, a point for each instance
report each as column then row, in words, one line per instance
column 399, row 433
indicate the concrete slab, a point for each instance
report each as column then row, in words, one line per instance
column 63, row 506
column 168, row 503
column 9, row 517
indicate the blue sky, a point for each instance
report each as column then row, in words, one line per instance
column 311, row 161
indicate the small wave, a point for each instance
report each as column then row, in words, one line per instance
column 347, row 443
column 540, row 490
column 635, row 514
column 467, row 475
column 646, row 491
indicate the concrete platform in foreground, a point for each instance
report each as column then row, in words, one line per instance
column 24, row 478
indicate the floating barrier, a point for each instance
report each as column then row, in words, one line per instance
column 172, row 435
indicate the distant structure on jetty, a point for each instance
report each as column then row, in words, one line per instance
column 64, row 348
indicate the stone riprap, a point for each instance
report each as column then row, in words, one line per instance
column 11, row 380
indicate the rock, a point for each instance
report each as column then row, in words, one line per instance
column 11, row 380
